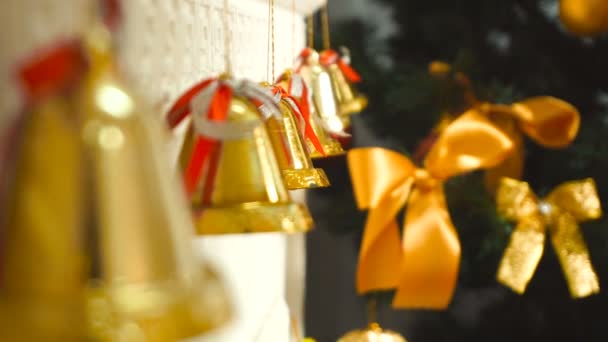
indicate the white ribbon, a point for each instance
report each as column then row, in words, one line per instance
column 226, row 130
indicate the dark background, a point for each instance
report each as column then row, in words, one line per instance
column 511, row 50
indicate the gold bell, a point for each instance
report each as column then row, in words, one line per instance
column 373, row 333
column 43, row 265
column 347, row 99
column 240, row 188
column 287, row 137
column 293, row 84
column 324, row 97
column 97, row 244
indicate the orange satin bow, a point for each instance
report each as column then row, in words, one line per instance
column 423, row 265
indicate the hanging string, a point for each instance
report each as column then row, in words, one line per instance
column 227, row 38
column 293, row 29
column 310, row 29
column 372, row 308
column 325, row 23
column 272, row 37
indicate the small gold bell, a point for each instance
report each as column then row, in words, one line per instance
column 347, row 99
column 373, row 333
column 324, row 98
column 290, row 83
column 287, row 137
column 241, row 188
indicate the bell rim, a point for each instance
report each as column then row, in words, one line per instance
column 309, row 178
column 253, row 217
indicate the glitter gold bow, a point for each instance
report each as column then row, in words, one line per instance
column 423, row 265
column 559, row 213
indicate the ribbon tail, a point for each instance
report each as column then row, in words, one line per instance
column 304, row 108
column 194, row 169
column 431, row 253
column 349, row 72
column 522, row 255
column 574, row 257
column 380, row 254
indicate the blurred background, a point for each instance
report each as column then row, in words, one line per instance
column 510, row 50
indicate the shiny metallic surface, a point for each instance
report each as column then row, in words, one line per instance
column 292, row 152
column 347, row 99
column 245, row 185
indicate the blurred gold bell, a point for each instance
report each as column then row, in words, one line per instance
column 324, row 94
column 347, row 99
column 292, row 83
column 42, row 263
column 147, row 284
column 287, row 137
column 241, row 188
column 373, row 333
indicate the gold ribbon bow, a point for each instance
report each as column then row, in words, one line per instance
column 423, row 265
column 547, row 120
column 559, row 212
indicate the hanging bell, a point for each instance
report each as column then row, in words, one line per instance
column 232, row 173
column 373, row 333
column 295, row 86
column 318, row 80
column 42, row 263
column 342, row 76
column 287, row 134
column 146, row 284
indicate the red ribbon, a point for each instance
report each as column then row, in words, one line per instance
column 52, row 71
column 305, row 53
column 328, row 57
column 304, row 108
column 203, row 147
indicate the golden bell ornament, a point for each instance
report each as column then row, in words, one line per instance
column 295, row 86
column 584, row 17
column 324, row 98
column 287, row 135
column 342, row 77
column 42, row 270
column 373, row 333
column 232, row 172
column 147, row 274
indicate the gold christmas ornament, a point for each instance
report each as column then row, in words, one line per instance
column 373, row 333
column 318, row 80
column 287, row 134
column 342, row 76
column 148, row 274
column 584, row 17
column 295, row 86
column 232, row 173
column 43, row 266
column 98, row 242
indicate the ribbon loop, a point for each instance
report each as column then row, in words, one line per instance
column 579, row 198
column 468, row 143
column 549, row 121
